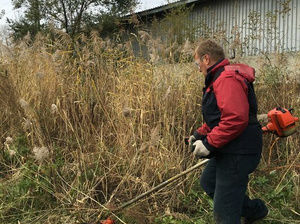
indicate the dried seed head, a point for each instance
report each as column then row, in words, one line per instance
column 144, row 35
column 167, row 92
column 11, row 152
column 155, row 137
column 128, row 46
column 40, row 153
column 54, row 108
column 26, row 124
column 23, row 103
column 187, row 47
column 8, row 141
column 154, row 57
column 126, row 111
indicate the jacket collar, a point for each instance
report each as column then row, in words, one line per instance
column 213, row 69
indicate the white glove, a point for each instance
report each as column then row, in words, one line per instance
column 200, row 149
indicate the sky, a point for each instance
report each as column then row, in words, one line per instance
column 13, row 14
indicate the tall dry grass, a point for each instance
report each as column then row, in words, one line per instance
column 93, row 126
column 115, row 123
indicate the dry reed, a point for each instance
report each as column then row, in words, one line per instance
column 113, row 124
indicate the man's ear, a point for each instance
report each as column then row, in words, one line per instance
column 206, row 59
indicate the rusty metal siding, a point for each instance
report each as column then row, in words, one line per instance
column 260, row 24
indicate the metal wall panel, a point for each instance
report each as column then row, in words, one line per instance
column 260, row 25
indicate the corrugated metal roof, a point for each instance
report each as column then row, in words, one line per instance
column 156, row 6
column 166, row 7
column 147, row 11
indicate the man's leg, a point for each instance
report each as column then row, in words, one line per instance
column 231, row 183
column 208, row 183
column 250, row 208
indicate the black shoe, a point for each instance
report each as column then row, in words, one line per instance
column 263, row 212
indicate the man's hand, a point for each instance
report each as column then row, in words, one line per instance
column 200, row 150
column 192, row 140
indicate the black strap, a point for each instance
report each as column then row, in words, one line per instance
column 217, row 74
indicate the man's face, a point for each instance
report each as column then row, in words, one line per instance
column 202, row 63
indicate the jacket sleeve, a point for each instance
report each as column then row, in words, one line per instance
column 201, row 132
column 232, row 100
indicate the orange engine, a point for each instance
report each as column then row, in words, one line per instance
column 107, row 221
column 281, row 122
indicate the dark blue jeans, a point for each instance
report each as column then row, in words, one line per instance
column 225, row 180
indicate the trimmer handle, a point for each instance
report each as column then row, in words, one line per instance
column 186, row 140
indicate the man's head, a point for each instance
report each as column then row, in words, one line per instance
column 207, row 54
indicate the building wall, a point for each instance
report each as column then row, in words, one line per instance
column 250, row 27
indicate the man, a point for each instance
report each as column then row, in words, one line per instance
column 231, row 135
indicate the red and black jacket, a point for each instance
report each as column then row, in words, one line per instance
column 229, row 110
